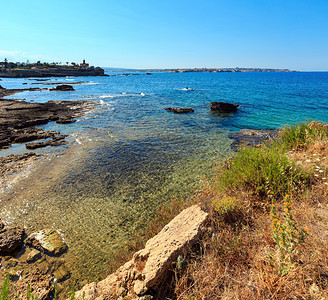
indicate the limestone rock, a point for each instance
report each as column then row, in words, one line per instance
column 11, row 238
column 223, row 107
column 150, row 266
column 47, row 240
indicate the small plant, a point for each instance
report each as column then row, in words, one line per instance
column 225, row 205
column 286, row 236
column 5, row 289
column 29, row 295
column 72, row 295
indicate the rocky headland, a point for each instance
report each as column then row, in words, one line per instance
column 53, row 72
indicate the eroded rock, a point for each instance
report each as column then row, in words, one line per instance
column 11, row 239
column 150, row 266
column 47, row 240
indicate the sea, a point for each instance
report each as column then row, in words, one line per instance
column 129, row 156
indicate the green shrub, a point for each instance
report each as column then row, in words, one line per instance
column 264, row 172
column 303, row 134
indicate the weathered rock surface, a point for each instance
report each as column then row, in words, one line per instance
column 40, row 285
column 1, row 225
column 63, row 88
column 223, row 107
column 150, row 266
column 11, row 239
column 180, row 110
column 47, row 240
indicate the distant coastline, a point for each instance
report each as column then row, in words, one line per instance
column 232, row 70
column 202, row 70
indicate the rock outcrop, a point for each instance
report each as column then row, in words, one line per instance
column 47, row 240
column 63, row 88
column 223, row 107
column 11, row 239
column 180, row 110
column 18, row 118
column 150, row 266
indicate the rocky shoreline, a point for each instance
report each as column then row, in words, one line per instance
column 18, row 119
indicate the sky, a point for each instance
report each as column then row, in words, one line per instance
column 168, row 33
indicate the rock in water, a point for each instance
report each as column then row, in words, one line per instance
column 11, row 238
column 223, row 107
column 180, row 110
column 33, row 256
column 47, row 240
column 63, row 88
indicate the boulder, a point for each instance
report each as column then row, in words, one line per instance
column 63, row 88
column 47, row 240
column 180, row 110
column 11, row 239
column 150, row 266
column 223, row 107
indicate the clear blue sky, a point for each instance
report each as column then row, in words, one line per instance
column 168, row 33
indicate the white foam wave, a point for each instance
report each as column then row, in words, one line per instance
column 106, row 96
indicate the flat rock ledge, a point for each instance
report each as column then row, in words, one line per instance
column 144, row 273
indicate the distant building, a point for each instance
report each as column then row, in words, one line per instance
column 84, row 64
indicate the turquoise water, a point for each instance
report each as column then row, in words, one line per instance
column 128, row 156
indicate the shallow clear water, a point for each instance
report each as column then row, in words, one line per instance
column 128, row 156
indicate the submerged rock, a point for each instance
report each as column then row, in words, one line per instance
column 11, row 239
column 33, row 256
column 251, row 137
column 63, row 88
column 47, row 240
column 61, row 274
column 150, row 266
column 180, row 110
column 223, row 107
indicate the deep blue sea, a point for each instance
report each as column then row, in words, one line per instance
column 129, row 155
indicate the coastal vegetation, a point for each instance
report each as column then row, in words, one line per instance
column 268, row 210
